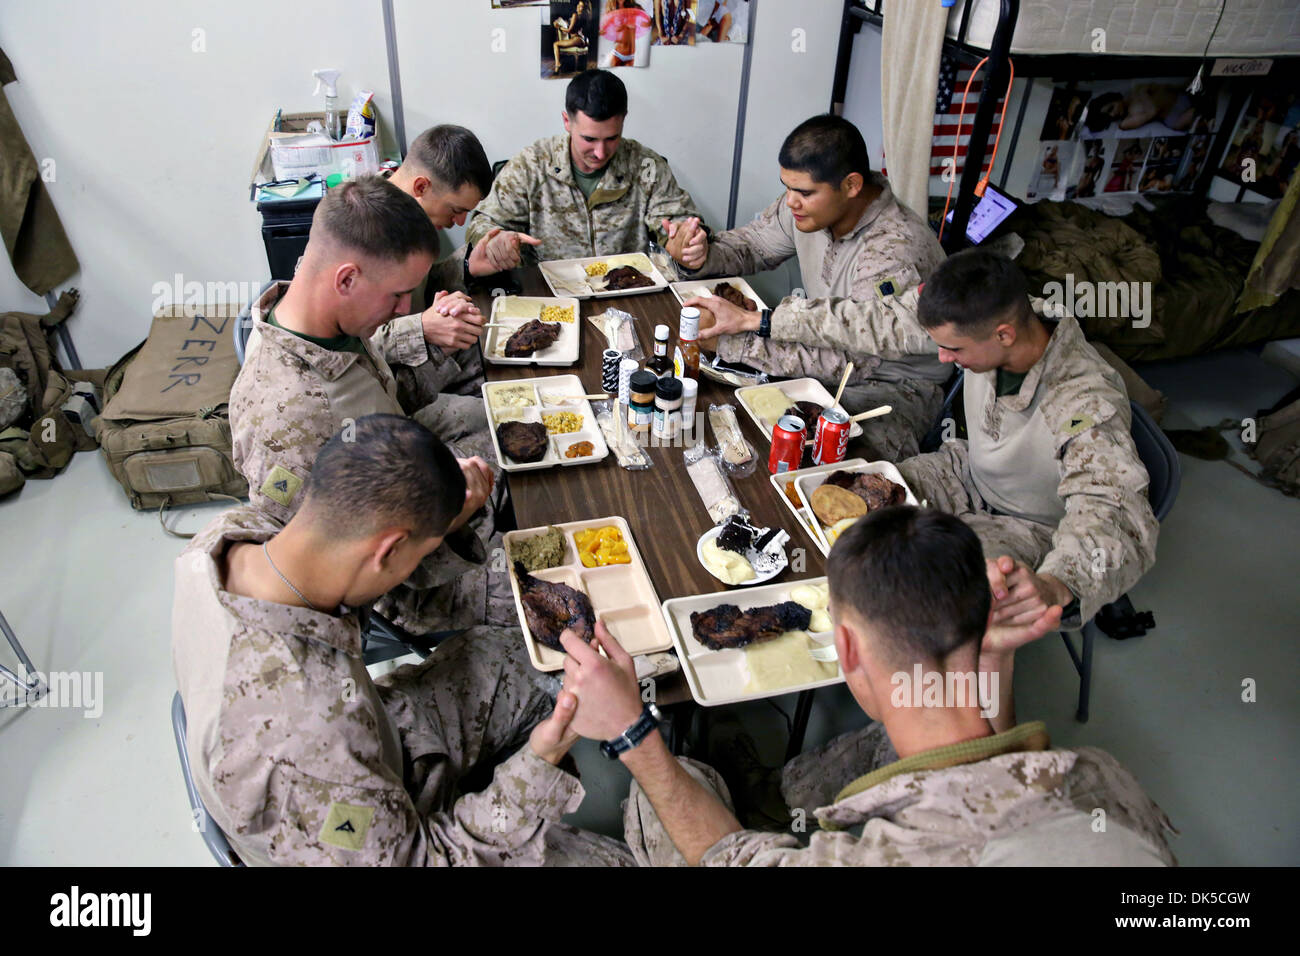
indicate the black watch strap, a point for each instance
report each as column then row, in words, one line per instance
column 764, row 330
column 465, row 276
column 644, row 725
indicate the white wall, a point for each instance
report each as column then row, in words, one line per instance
column 153, row 142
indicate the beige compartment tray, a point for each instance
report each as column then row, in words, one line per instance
column 786, row 479
column 544, row 397
column 720, row 677
column 622, row 595
column 810, row 479
column 691, row 288
column 568, row 277
column 516, row 311
column 796, row 390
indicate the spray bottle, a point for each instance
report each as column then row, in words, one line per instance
column 330, row 78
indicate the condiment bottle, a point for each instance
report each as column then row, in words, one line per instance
column 661, row 364
column 640, row 407
column 668, row 404
column 690, row 391
column 686, row 358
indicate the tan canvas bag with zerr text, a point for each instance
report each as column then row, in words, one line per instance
column 165, row 430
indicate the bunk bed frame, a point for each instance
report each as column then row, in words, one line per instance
column 1031, row 66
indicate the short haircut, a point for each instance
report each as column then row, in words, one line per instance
column 827, row 148
column 974, row 290
column 384, row 470
column 372, row 216
column 453, row 156
column 917, row 576
column 598, row 93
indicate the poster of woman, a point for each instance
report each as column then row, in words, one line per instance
column 625, row 34
column 568, row 38
column 723, row 21
column 675, row 22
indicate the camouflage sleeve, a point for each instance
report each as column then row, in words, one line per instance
column 276, row 429
column 402, row 342
column 1107, row 539
column 793, row 359
column 756, row 246
column 667, row 200
column 507, row 204
column 875, row 324
column 371, row 820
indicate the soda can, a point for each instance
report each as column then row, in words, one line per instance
column 787, row 445
column 831, row 443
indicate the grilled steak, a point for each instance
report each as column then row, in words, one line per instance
column 808, row 413
column 728, row 626
column 552, row 608
column 532, row 337
column 524, row 442
column 876, row 490
column 726, row 290
column 625, row 277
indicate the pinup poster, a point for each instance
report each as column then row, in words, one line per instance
column 674, row 22
column 1124, row 136
column 722, row 21
column 568, row 38
column 625, row 36
column 1265, row 147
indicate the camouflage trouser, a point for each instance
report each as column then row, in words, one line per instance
column 644, row 831
column 892, row 438
column 469, row 705
column 897, row 435
column 444, row 397
column 942, row 479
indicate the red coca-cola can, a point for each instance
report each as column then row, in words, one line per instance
column 831, row 443
column 787, row 445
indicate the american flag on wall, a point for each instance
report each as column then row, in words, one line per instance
column 950, row 119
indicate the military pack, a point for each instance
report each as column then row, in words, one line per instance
column 165, row 430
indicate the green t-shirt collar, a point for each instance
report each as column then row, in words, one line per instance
column 337, row 343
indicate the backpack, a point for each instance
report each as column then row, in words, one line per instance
column 165, row 428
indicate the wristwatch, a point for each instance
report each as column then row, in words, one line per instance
column 764, row 330
column 647, row 722
column 465, row 266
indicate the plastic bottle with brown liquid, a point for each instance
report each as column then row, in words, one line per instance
column 686, row 357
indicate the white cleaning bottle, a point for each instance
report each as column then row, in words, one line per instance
column 330, row 78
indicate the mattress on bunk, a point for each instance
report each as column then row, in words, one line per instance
column 1140, row 27
column 1197, row 269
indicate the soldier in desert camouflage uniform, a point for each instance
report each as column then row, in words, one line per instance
column 318, row 359
column 301, row 758
column 587, row 193
column 859, row 252
column 908, row 587
column 447, row 172
column 1049, row 476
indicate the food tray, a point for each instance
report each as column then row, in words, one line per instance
column 797, row 390
column 719, row 677
column 555, row 385
column 807, row 520
column 515, row 311
column 622, row 595
column 810, row 479
column 704, row 287
column 568, row 277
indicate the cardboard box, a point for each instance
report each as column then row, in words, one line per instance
column 292, row 152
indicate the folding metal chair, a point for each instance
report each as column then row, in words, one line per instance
column 31, row 685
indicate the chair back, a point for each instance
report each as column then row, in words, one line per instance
column 215, row 840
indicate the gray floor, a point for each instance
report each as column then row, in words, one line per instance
column 87, row 586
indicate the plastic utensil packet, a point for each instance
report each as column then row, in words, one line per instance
column 626, row 451
column 705, row 469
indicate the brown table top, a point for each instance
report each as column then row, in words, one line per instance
column 660, row 505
